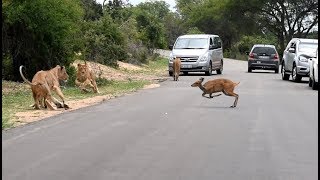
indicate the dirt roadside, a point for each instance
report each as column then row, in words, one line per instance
column 107, row 73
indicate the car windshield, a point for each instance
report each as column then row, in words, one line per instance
column 307, row 47
column 264, row 51
column 191, row 43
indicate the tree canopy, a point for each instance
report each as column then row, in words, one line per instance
column 42, row 33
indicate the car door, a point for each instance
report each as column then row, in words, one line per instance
column 215, row 53
column 291, row 56
column 211, row 55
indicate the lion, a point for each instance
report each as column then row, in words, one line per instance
column 43, row 83
column 85, row 77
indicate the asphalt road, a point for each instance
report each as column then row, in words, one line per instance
column 172, row 133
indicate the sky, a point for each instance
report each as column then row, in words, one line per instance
column 172, row 3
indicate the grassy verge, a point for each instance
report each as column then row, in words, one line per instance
column 17, row 97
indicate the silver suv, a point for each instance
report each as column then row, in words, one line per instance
column 198, row 53
column 295, row 58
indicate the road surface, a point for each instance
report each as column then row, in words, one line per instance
column 172, row 133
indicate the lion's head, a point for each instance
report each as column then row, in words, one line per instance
column 83, row 70
column 62, row 73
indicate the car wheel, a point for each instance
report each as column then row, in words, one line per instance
column 283, row 73
column 310, row 82
column 249, row 69
column 185, row 73
column 314, row 84
column 209, row 72
column 219, row 71
column 295, row 76
column 276, row 71
column 170, row 73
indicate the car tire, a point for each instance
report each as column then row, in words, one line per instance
column 295, row 76
column 283, row 73
column 249, row 70
column 170, row 73
column 314, row 84
column 185, row 73
column 209, row 72
column 276, row 71
column 310, row 82
column 219, row 71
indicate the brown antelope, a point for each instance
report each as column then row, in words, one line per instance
column 217, row 85
column 176, row 68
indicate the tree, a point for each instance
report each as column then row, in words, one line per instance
column 92, row 10
column 39, row 34
column 289, row 18
column 103, row 42
column 283, row 18
column 150, row 17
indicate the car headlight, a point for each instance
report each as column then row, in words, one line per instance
column 303, row 59
column 204, row 57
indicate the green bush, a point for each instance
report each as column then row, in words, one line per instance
column 7, row 67
column 40, row 33
column 103, row 42
column 72, row 72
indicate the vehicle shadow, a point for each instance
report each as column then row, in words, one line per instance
column 198, row 74
column 259, row 72
column 301, row 82
column 215, row 107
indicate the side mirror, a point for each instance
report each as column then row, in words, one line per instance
column 292, row 50
column 170, row 47
column 247, row 52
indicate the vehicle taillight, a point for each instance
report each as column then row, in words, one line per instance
column 276, row 57
column 251, row 56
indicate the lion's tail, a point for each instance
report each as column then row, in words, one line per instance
column 24, row 78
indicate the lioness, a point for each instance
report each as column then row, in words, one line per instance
column 85, row 77
column 45, row 81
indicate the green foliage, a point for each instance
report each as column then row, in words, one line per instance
column 246, row 42
column 103, row 42
column 194, row 30
column 40, row 33
column 72, row 72
column 7, row 67
column 92, row 10
column 237, row 51
column 174, row 27
column 150, row 17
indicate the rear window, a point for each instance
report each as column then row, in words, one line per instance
column 264, row 51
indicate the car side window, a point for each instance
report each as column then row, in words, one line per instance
column 293, row 45
column 211, row 41
column 215, row 41
column 219, row 43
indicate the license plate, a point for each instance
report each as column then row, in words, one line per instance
column 258, row 62
column 263, row 57
column 186, row 66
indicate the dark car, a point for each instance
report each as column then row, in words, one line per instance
column 263, row 56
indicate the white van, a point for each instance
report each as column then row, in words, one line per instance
column 198, row 53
